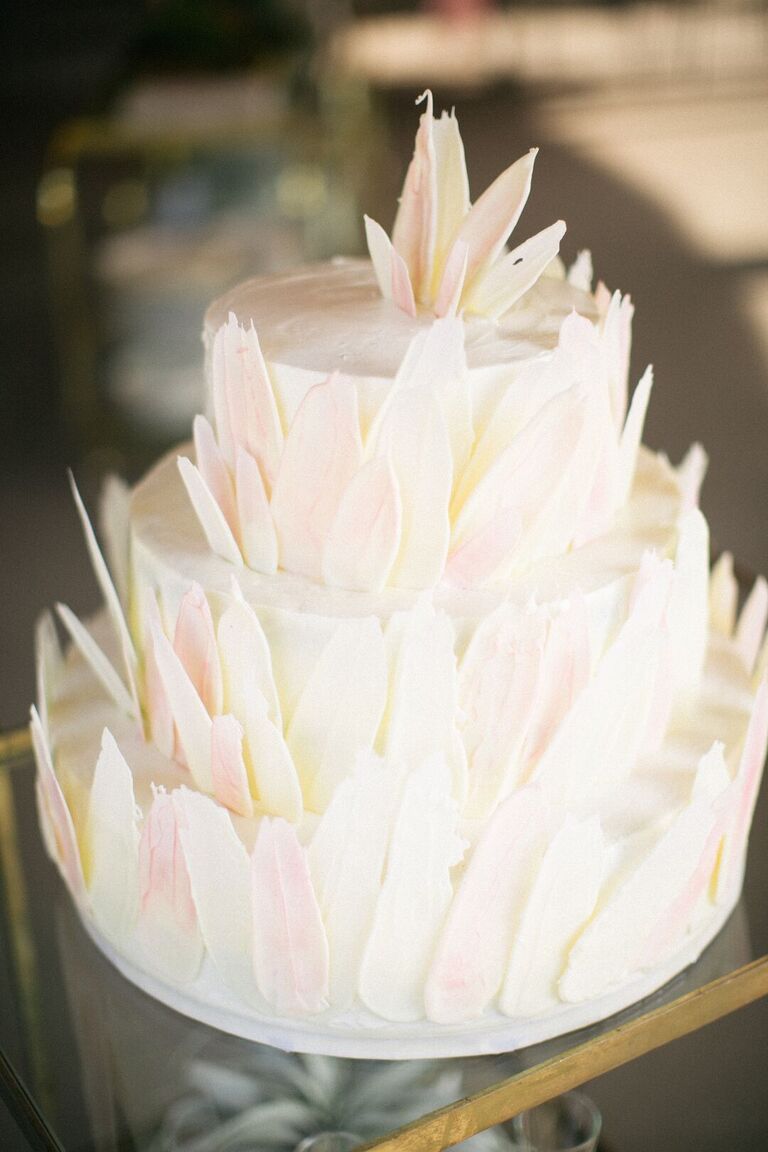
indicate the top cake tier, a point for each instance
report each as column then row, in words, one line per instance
column 449, row 412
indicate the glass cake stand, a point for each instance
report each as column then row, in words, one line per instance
column 89, row 1063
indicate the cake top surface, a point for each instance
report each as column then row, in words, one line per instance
column 332, row 317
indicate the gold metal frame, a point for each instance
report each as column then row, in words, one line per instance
column 494, row 1105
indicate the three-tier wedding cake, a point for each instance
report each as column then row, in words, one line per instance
column 415, row 722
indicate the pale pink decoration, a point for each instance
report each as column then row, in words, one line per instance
column 112, row 844
column 161, row 727
column 723, row 596
column 750, row 629
column 214, row 471
column 447, row 254
column 491, row 219
column 475, row 561
column 192, row 721
column 230, row 779
column 257, row 530
column 49, row 665
column 97, row 661
column 422, row 706
column 452, row 281
column 509, row 278
column 580, row 272
column 322, row 452
column 390, row 268
column 473, row 949
column 339, row 710
column 435, row 362
column 629, row 443
column 413, row 435
column 111, row 599
column 415, row 895
column 415, row 229
column 616, row 312
column 167, row 927
column 537, row 478
column 194, row 642
column 690, row 475
column 747, row 783
column 563, row 898
column 114, row 529
column 211, row 518
column 55, row 817
column 564, row 674
column 346, row 854
column 365, row 534
column 219, row 873
column 687, row 618
column 620, row 934
column 498, row 686
column 243, row 400
column 601, row 736
column 290, row 949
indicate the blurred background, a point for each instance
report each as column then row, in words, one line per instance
column 154, row 153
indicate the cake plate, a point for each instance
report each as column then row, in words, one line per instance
column 88, row 1062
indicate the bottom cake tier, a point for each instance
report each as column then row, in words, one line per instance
column 362, row 931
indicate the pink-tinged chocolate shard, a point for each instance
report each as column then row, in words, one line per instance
column 413, row 436
column 219, row 874
column 167, row 928
column 322, row 452
column 415, row 895
column 600, row 738
column 452, row 281
column 747, row 786
column 474, row 947
column 258, row 540
column 561, row 902
column 214, row 471
column 194, row 642
column 723, row 596
column 192, row 721
column 623, row 933
column 230, row 779
column 49, row 666
column 496, row 290
column 631, row 436
column 161, row 727
column 690, row 475
column 422, row 703
column 390, row 268
column 112, row 839
column 346, row 858
column 489, row 222
column 290, row 949
column 415, row 228
column 365, row 534
column 499, row 683
column 97, row 661
column 340, row 708
column 55, row 817
column 114, row 529
column 243, row 399
column 111, row 598
column 210, row 517
column 750, row 629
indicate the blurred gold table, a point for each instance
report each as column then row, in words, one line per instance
column 88, row 1062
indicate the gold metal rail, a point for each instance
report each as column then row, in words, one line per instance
column 494, row 1105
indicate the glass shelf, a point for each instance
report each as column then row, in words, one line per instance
column 89, row 1063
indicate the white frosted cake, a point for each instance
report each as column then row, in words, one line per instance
column 415, row 723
